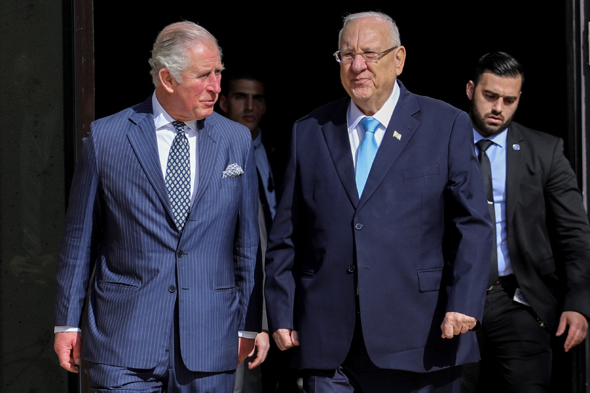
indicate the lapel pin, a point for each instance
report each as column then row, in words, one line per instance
column 516, row 146
column 397, row 135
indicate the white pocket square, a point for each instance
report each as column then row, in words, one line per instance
column 232, row 170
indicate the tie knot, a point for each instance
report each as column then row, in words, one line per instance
column 178, row 126
column 484, row 144
column 369, row 124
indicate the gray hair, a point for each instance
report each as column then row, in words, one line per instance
column 171, row 48
column 395, row 40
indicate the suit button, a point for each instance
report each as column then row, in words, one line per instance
column 358, row 226
column 351, row 269
column 171, row 289
column 180, row 254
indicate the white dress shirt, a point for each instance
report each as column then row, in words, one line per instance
column 383, row 115
column 165, row 133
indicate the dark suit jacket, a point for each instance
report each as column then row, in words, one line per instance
column 542, row 197
column 120, row 220
column 422, row 188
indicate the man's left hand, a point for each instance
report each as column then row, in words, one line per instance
column 262, row 346
column 456, row 323
column 578, row 326
column 245, row 347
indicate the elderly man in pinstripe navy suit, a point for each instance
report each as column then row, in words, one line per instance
column 163, row 208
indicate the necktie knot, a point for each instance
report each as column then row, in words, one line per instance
column 369, row 124
column 484, row 144
column 178, row 126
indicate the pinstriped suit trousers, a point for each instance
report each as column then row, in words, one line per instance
column 170, row 375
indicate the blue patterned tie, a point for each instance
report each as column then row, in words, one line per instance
column 178, row 176
column 366, row 153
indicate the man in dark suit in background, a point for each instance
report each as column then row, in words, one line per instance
column 164, row 207
column 378, row 254
column 243, row 99
column 532, row 192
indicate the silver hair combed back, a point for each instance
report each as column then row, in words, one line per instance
column 171, row 47
column 395, row 40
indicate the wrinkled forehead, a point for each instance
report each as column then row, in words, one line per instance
column 205, row 57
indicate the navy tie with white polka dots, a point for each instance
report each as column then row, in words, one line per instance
column 178, row 174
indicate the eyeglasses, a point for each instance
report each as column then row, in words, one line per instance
column 373, row 57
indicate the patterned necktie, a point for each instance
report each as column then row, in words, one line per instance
column 486, row 173
column 366, row 152
column 178, row 176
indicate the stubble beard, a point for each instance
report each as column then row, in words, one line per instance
column 479, row 122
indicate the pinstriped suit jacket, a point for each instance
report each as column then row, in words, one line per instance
column 120, row 221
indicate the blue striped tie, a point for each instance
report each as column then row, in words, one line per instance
column 366, row 152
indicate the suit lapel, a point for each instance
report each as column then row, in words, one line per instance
column 143, row 140
column 402, row 125
column 514, row 168
column 207, row 157
column 336, row 136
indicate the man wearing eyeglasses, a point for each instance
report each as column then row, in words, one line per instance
column 379, row 251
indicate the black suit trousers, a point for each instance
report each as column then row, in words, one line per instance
column 515, row 349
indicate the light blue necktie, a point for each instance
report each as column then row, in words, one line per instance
column 366, row 153
column 178, row 176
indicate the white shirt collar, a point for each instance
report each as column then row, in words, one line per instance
column 354, row 115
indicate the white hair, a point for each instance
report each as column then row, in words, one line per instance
column 395, row 40
column 171, row 47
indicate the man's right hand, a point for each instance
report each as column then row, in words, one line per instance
column 286, row 338
column 68, row 346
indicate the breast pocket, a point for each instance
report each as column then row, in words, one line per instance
column 231, row 182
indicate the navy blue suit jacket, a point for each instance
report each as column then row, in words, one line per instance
column 419, row 240
column 119, row 220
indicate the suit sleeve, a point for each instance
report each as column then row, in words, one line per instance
column 280, row 256
column 247, row 272
column 79, row 239
column 567, row 215
column 469, row 223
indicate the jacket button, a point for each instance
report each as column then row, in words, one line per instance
column 358, row 226
column 171, row 289
column 180, row 254
column 351, row 269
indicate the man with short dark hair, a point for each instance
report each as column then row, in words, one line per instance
column 532, row 193
column 164, row 208
column 243, row 99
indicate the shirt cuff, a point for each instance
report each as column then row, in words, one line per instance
column 66, row 329
column 251, row 335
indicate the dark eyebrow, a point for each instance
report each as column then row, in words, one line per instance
column 498, row 94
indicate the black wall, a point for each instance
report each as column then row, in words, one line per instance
column 291, row 45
